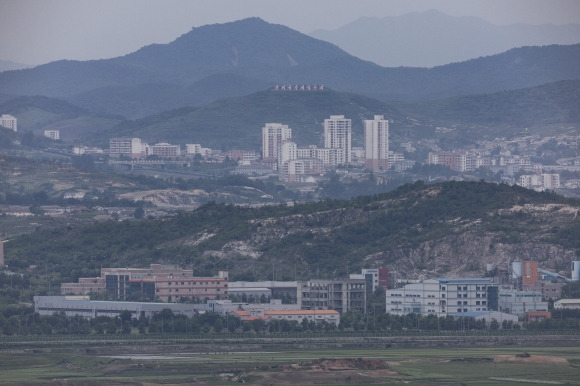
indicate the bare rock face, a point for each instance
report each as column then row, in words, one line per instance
column 467, row 255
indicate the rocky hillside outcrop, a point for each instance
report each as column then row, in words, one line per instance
column 450, row 243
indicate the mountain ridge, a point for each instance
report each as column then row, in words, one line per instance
column 432, row 38
column 259, row 52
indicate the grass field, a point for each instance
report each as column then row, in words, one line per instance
column 196, row 365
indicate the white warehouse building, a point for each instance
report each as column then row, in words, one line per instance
column 444, row 296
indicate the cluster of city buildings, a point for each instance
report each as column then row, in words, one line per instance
column 524, row 295
column 144, row 291
column 280, row 153
column 522, row 292
column 282, row 156
column 513, row 160
column 134, row 148
column 509, row 165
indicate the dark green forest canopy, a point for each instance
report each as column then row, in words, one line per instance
column 407, row 216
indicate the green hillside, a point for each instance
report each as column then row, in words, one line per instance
column 452, row 228
column 551, row 103
column 36, row 113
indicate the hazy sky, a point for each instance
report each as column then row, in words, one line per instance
column 41, row 31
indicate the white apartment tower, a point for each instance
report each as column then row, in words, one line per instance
column 377, row 143
column 273, row 134
column 9, row 122
column 286, row 152
column 338, row 135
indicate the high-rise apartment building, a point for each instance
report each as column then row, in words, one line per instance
column 377, row 143
column 273, row 134
column 9, row 122
column 338, row 135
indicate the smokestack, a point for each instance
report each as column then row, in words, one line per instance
column 1, row 252
column 576, row 271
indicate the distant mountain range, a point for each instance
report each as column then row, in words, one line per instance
column 432, row 38
column 7, row 65
column 242, row 57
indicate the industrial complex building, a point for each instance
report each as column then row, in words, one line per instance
column 157, row 283
column 445, row 296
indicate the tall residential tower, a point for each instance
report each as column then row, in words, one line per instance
column 273, row 134
column 377, row 143
column 337, row 135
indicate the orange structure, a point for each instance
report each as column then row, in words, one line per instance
column 529, row 272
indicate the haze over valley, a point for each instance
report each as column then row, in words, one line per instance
column 291, row 171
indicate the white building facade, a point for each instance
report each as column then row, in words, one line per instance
column 441, row 297
column 52, row 134
column 129, row 147
column 9, row 122
column 519, row 302
column 273, row 134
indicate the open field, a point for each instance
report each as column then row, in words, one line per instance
column 297, row 364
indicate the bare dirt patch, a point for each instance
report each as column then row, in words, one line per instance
column 536, row 359
column 328, row 371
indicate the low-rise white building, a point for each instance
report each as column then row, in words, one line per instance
column 318, row 316
column 224, row 307
column 519, row 302
column 87, row 308
column 489, row 316
column 52, row 134
column 9, row 122
column 567, row 304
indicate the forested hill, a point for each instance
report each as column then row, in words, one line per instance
column 418, row 230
